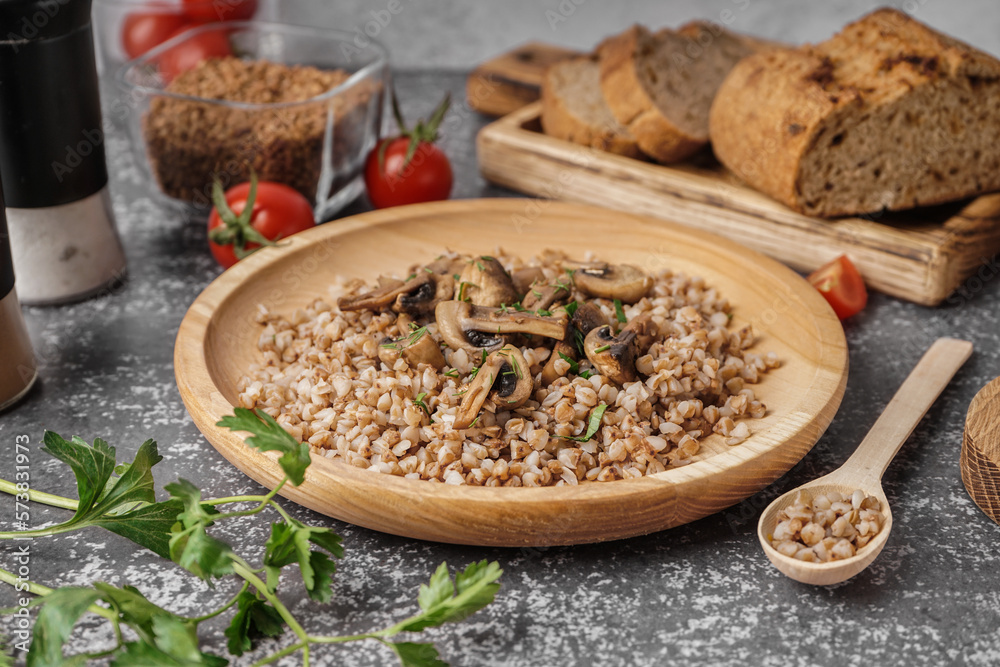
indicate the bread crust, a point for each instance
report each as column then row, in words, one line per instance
column 632, row 105
column 560, row 122
column 772, row 119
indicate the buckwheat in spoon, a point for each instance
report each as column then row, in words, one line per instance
column 828, row 530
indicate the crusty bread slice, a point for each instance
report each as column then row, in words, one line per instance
column 661, row 85
column 888, row 114
column 574, row 109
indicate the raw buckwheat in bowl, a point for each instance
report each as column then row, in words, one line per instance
column 665, row 376
column 300, row 106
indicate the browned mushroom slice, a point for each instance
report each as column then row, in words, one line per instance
column 477, row 328
column 614, row 356
column 484, row 282
column 504, row 377
column 542, row 296
column 416, row 296
column 524, row 277
column 586, row 318
column 415, row 345
column 435, row 288
column 624, row 282
column 378, row 298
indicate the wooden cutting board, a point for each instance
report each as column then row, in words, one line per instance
column 921, row 255
column 511, row 80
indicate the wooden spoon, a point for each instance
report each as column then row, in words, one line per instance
column 864, row 469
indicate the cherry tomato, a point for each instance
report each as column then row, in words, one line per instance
column 142, row 31
column 427, row 176
column 210, row 11
column 393, row 179
column 190, row 52
column 276, row 212
column 842, row 285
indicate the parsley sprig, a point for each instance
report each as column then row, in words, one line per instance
column 121, row 498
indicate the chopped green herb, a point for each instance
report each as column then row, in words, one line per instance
column 487, row 258
column 474, row 421
column 593, row 425
column 392, row 345
column 453, row 373
column 574, row 366
column 479, row 265
column 428, row 269
column 588, row 373
column 544, row 313
column 461, row 291
column 517, row 368
column 409, row 277
column 503, row 308
column 560, row 285
column 571, row 307
column 602, row 348
column 456, row 276
column 620, row 312
column 521, row 309
column 570, row 273
column 419, row 402
column 538, row 295
column 484, row 357
column 578, row 341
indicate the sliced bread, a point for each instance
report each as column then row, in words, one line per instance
column 888, row 114
column 573, row 108
column 661, row 85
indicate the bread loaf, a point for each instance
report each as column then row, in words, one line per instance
column 661, row 85
column 888, row 114
column 573, row 108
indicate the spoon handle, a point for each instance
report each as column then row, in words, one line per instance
column 912, row 400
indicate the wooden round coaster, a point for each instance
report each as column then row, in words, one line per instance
column 980, row 461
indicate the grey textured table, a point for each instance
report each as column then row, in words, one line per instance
column 702, row 593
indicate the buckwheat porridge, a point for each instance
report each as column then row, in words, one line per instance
column 490, row 370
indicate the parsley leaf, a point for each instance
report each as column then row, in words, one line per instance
column 254, row 619
column 443, row 601
column 290, row 543
column 62, row 609
column 593, row 425
column 620, row 312
column 412, row 654
column 93, row 467
column 268, row 435
column 191, row 546
column 148, row 526
column 571, row 307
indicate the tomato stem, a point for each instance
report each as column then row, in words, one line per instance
column 237, row 230
column 423, row 131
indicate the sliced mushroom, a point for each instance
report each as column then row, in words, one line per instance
column 415, row 345
column 586, row 318
column 541, row 296
column 624, row 282
column 524, row 277
column 614, row 356
column 484, row 282
column 503, row 377
column 375, row 299
column 417, row 295
column 477, row 328
column 437, row 287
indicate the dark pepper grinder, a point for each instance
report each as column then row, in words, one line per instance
column 17, row 362
column 52, row 163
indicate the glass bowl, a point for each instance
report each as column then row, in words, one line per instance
column 317, row 146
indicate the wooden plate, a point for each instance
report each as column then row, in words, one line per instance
column 217, row 342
